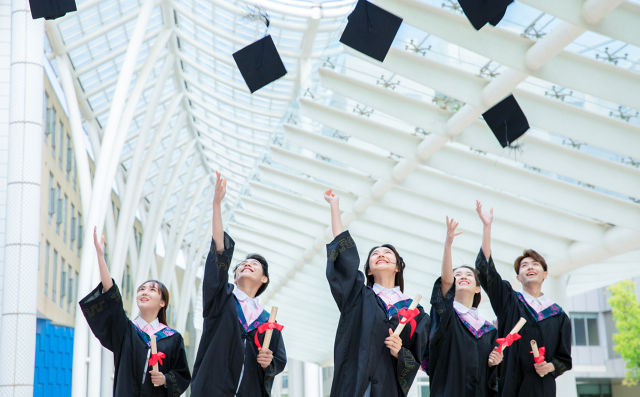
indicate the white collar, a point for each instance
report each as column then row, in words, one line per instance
column 377, row 288
column 462, row 309
column 155, row 324
column 541, row 300
column 241, row 296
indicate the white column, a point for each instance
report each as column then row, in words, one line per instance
column 556, row 289
column 5, row 57
column 20, row 291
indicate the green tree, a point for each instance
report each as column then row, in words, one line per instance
column 626, row 314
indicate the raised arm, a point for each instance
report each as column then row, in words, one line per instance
column 487, row 220
column 216, row 270
column 216, row 223
column 447, row 267
column 336, row 220
column 105, row 276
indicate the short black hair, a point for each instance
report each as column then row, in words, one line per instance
column 265, row 270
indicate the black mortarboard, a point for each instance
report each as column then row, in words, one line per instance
column 259, row 63
column 51, row 9
column 479, row 12
column 506, row 120
column 370, row 30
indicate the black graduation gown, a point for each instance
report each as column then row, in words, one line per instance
column 459, row 354
column 227, row 352
column 551, row 328
column 361, row 359
column 131, row 348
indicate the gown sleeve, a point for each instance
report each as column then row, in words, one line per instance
column 106, row 317
column 412, row 351
column 279, row 360
column 441, row 312
column 216, row 277
column 179, row 377
column 499, row 291
column 562, row 356
column 345, row 281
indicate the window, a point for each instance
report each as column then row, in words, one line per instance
column 72, row 229
column 594, row 390
column 585, row 329
column 64, row 218
column 79, row 233
column 63, row 281
column 69, row 288
column 52, row 131
column 45, row 106
column 75, row 175
column 52, row 198
column 47, row 248
column 54, row 279
column 58, row 209
column 422, row 384
column 75, row 289
column 62, row 135
column 69, row 157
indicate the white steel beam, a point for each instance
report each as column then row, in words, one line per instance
column 139, row 168
column 564, row 68
column 617, row 24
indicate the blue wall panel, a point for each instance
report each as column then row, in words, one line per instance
column 54, row 359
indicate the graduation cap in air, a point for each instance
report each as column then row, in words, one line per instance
column 506, row 120
column 51, row 9
column 480, row 12
column 370, row 30
column 259, row 63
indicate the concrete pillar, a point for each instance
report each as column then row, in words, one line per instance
column 556, row 289
column 22, row 225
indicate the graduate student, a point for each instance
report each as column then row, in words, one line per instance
column 369, row 360
column 229, row 361
column 130, row 341
column 547, row 323
column 463, row 356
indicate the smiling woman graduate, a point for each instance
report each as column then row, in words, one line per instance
column 130, row 341
column 369, row 359
column 462, row 357
column 231, row 360
column 547, row 323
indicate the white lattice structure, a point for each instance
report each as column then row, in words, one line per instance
column 152, row 91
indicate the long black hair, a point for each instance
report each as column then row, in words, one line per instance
column 400, row 265
column 476, row 275
column 164, row 294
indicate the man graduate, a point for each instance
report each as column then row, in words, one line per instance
column 547, row 323
column 231, row 360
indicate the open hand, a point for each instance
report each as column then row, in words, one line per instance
column 157, row 378
column 221, row 189
column 265, row 356
column 394, row 343
column 98, row 243
column 486, row 219
column 451, row 230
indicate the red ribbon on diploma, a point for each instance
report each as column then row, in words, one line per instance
column 156, row 358
column 262, row 328
column 507, row 341
column 540, row 357
column 409, row 316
